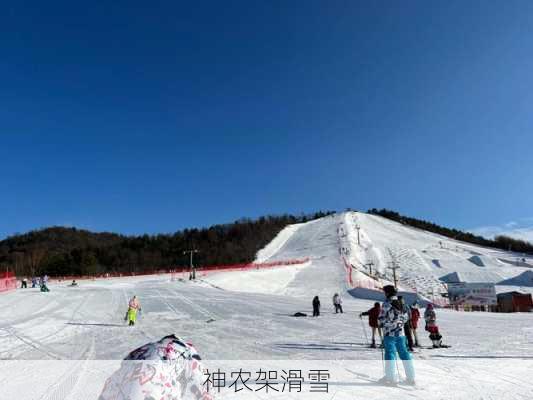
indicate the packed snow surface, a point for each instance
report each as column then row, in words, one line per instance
column 71, row 338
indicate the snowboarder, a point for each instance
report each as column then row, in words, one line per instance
column 431, row 326
column 337, row 303
column 134, row 306
column 373, row 315
column 316, row 306
column 415, row 316
column 407, row 326
column 392, row 319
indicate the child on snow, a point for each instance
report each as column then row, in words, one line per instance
column 373, row 315
column 133, row 307
column 431, row 326
column 392, row 319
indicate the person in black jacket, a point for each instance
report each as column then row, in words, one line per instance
column 316, row 307
column 407, row 326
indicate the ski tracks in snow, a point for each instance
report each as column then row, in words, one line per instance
column 68, row 387
column 195, row 306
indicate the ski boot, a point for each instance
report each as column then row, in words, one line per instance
column 387, row 382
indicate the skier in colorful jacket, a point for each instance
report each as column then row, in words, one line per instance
column 392, row 319
column 134, row 306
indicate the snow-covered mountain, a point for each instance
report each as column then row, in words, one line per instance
column 357, row 250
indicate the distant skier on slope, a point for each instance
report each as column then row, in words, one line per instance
column 373, row 315
column 337, row 303
column 316, row 307
column 392, row 320
column 134, row 306
column 431, row 326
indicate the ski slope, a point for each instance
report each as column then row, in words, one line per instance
column 423, row 258
column 68, row 341
column 72, row 338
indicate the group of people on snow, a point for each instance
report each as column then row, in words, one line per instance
column 337, row 305
column 42, row 282
column 410, row 327
column 396, row 324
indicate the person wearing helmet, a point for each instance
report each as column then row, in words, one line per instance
column 392, row 319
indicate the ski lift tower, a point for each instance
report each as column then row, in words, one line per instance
column 358, row 236
column 394, row 266
column 193, row 268
column 370, row 265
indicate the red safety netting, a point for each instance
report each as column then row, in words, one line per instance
column 7, row 282
column 201, row 270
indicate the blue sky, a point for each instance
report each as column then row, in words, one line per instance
column 154, row 116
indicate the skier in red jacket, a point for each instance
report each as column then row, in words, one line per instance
column 373, row 314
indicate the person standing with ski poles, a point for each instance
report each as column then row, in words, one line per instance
column 392, row 319
column 373, row 315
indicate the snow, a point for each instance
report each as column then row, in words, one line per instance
column 271, row 280
column 68, row 341
column 524, row 279
column 277, row 243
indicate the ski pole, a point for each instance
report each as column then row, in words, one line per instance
column 364, row 330
column 382, row 358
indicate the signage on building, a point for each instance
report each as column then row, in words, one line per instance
column 472, row 294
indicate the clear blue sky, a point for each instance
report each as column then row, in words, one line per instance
column 154, row 116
